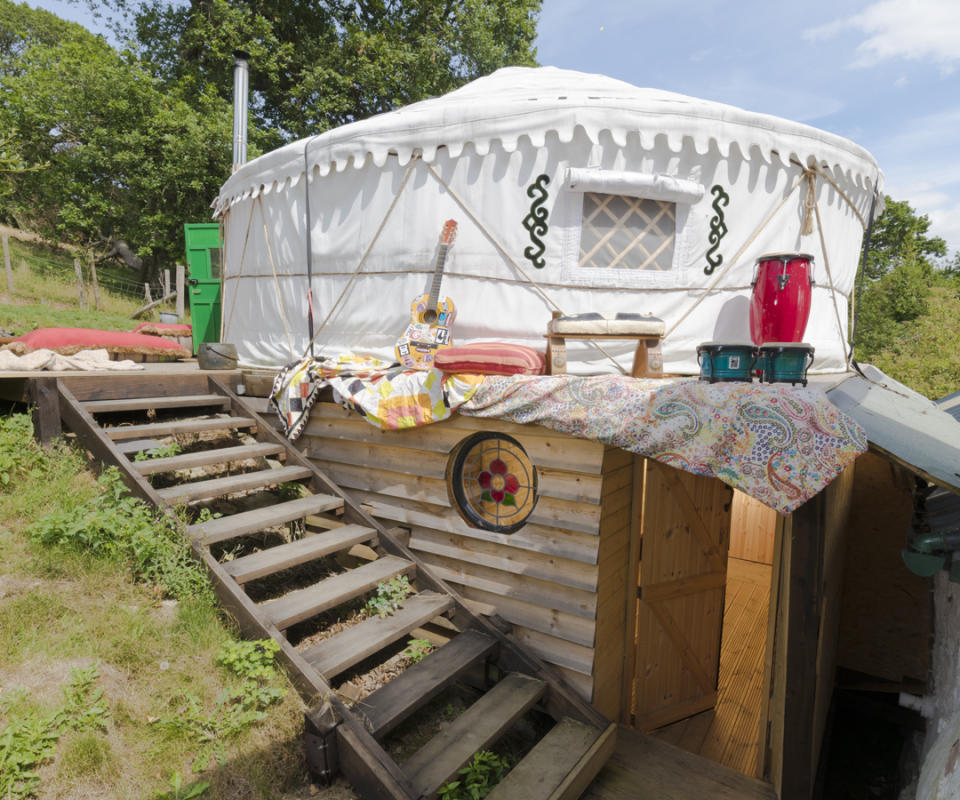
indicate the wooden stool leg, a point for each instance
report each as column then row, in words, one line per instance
column 648, row 359
column 556, row 356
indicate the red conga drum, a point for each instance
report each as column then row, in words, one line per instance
column 780, row 304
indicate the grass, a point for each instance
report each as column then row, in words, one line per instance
column 45, row 293
column 230, row 719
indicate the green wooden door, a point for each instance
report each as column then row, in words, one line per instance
column 203, row 267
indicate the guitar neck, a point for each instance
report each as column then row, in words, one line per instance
column 437, row 277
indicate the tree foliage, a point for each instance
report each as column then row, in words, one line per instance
column 899, row 271
column 110, row 153
column 315, row 65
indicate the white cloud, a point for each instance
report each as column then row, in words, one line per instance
column 918, row 30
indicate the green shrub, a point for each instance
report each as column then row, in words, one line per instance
column 116, row 525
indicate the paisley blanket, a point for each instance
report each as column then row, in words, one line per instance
column 779, row 444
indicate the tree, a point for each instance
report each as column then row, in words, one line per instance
column 113, row 154
column 897, row 276
column 316, row 65
column 899, row 238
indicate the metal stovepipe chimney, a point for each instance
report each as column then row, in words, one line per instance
column 241, row 85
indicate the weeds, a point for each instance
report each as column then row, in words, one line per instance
column 30, row 738
column 178, row 791
column 237, row 708
column 389, row 597
column 163, row 451
column 479, row 777
column 417, row 649
column 114, row 524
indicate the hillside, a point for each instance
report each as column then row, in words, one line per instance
column 46, row 292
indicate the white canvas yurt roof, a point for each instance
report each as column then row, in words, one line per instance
column 520, row 159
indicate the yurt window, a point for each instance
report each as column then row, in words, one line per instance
column 621, row 232
column 624, row 228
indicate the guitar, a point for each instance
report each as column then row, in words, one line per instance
column 430, row 318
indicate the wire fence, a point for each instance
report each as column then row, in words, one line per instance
column 47, row 279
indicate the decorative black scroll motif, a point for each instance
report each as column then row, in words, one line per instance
column 718, row 228
column 536, row 221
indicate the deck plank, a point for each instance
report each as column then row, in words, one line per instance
column 218, row 487
column 340, row 652
column 143, row 403
column 542, row 771
column 234, row 525
column 418, row 684
column 292, row 554
column 204, row 458
column 305, row 603
column 476, row 728
column 156, row 429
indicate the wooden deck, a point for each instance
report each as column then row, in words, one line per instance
column 730, row 734
column 645, row 768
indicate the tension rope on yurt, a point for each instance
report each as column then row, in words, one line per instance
column 363, row 258
column 503, row 252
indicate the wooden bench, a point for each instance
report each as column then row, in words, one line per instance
column 648, row 332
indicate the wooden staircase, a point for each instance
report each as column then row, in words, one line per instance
column 247, row 565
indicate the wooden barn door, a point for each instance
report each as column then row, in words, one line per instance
column 683, row 571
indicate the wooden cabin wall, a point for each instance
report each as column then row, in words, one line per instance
column 544, row 579
column 886, row 623
column 752, row 526
column 804, row 623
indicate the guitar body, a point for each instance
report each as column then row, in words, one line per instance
column 430, row 317
column 421, row 340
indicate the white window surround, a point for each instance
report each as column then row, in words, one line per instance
column 653, row 186
column 647, row 185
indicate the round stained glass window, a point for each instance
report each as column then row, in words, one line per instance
column 492, row 482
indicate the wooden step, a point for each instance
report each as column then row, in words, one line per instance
column 234, row 525
column 305, row 603
column 555, row 759
column 131, row 447
column 153, row 429
column 475, row 729
column 203, row 458
column 218, row 487
column 284, row 556
column 143, row 403
column 392, row 704
column 340, row 652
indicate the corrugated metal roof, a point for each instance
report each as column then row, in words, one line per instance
column 913, row 430
column 951, row 404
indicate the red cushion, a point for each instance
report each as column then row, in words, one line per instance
column 491, row 358
column 68, row 341
column 163, row 329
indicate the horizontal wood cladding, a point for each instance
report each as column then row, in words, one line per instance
column 543, row 579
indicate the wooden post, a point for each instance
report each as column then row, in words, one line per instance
column 146, row 293
column 96, row 283
column 166, row 282
column 181, row 280
column 6, row 263
column 80, row 297
column 46, row 409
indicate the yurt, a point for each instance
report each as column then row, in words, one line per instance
column 571, row 193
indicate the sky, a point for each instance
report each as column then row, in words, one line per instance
column 884, row 73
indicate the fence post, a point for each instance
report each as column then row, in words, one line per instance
column 96, row 283
column 166, row 282
column 80, row 297
column 181, row 276
column 6, row 263
column 146, row 293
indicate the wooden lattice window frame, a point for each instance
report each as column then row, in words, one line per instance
column 650, row 247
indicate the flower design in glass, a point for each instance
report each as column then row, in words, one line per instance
column 493, row 482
